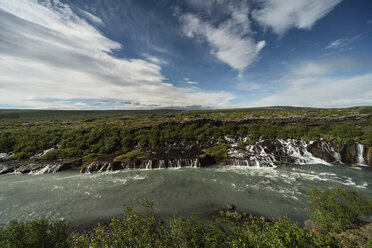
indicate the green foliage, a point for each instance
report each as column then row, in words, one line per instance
column 365, row 110
column 35, row 234
column 218, row 152
column 132, row 155
column 337, row 209
column 111, row 132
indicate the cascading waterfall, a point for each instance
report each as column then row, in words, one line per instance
column 300, row 153
column 330, row 150
column 273, row 153
column 360, row 151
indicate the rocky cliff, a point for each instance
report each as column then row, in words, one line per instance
column 263, row 153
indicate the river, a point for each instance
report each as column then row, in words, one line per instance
column 85, row 198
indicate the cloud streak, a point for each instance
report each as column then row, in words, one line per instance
column 48, row 51
column 281, row 16
column 343, row 44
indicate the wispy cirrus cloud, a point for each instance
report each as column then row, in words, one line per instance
column 343, row 44
column 49, row 51
column 281, row 16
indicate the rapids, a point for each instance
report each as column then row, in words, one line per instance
column 86, row 198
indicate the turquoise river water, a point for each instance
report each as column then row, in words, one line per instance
column 85, row 198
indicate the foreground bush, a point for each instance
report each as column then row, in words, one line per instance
column 35, row 234
column 338, row 209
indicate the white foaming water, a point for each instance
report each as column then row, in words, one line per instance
column 329, row 149
column 300, row 152
column 39, row 155
column 149, row 165
column 292, row 150
column 41, row 171
column 6, row 155
column 360, row 151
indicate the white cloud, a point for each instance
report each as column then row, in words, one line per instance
column 321, row 92
column 91, row 17
column 327, row 67
column 154, row 59
column 191, row 82
column 227, row 43
column 343, row 44
column 282, row 15
column 231, row 41
column 49, row 52
column 325, row 83
column 248, row 86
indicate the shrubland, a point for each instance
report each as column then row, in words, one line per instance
column 85, row 135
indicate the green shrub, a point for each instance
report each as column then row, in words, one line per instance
column 132, row 155
column 337, row 209
column 218, row 152
column 35, row 234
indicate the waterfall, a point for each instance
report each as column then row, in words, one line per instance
column 39, row 155
column 4, row 155
column 148, row 165
column 360, row 151
column 178, row 164
column 276, row 152
column 44, row 170
column 300, row 153
column 161, row 164
column 329, row 149
column 195, row 163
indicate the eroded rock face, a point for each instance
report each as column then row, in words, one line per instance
column 369, row 156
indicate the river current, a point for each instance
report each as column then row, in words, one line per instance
column 85, row 198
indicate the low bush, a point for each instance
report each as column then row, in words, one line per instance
column 218, row 152
column 338, row 209
column 35, row 234
column 132, row 155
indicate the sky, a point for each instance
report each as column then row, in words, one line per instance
column 189, row 54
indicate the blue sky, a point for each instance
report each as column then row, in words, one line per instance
column 131, row 54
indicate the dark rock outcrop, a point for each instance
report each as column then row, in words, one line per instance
column 263, row 153
column 43, row 167
column 369, row 156
column 8, row 167
column 99, row 166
